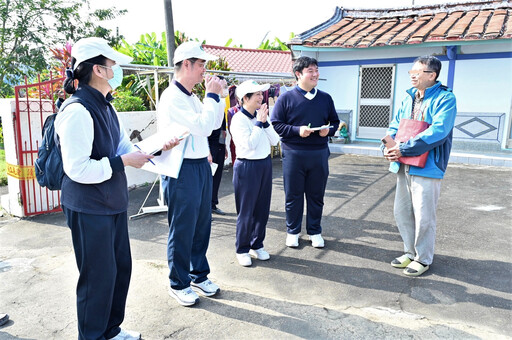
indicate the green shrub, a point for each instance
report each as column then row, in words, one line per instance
column 125, row 102
column 3, row 169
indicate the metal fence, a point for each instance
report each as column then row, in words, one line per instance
column 34, row 103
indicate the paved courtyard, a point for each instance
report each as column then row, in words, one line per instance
column 347, row 290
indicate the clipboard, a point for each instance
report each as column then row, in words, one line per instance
column 168, row 163
column 153, row 144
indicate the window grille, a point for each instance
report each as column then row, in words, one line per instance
column 375, row 99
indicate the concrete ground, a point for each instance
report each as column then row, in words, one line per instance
column 347, row 290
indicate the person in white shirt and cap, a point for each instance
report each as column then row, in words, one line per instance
column 95, row 151
column 253, row 135
column 188, row 192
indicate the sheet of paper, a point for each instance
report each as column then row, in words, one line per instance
column 214, row 168
column 327, row 126
column 154, row 143
column 169, row 162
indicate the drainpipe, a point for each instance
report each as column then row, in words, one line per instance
column 451, row 53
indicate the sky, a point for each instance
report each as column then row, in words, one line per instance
column 246, row 22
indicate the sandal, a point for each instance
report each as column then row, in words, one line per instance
column 401, row 262
column 415, row 269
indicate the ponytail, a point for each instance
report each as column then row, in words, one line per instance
column 82, row 72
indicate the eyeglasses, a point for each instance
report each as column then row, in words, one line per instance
column 417, row 73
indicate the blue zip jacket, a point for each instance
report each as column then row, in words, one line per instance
column 440, row 109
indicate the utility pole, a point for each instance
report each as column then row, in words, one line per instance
column 169, row 27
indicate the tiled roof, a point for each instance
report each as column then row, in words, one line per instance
column 482, row 20
column 250, row 60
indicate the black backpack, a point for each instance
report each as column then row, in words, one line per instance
column 48, row 165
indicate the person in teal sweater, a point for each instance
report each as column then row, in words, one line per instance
column 418, row 189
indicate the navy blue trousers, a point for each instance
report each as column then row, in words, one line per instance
column 103, row 257
column 305, row 172
column 190, row 222
column 252, row 180
column 218, row 152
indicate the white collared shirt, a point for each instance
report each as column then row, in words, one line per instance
column 251, row 141
column 201, row 119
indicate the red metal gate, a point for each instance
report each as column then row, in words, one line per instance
column 34, row 102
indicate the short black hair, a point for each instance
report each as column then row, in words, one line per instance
column 431, row 62
column 302, row 63
column 248, row 95
column 178, row 66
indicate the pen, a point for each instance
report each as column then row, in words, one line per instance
column 141, row 150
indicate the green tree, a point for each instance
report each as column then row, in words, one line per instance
column 149, row 50
column 29, row 27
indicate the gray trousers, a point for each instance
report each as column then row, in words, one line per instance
column 415, row 213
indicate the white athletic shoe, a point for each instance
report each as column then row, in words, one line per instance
column 126, row 335
column 185, row 297
column 244, row 259
column 317, row 241
column 292, row 240
column 260, row 254
column 207, row 287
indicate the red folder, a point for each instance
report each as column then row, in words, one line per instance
column 407, row 129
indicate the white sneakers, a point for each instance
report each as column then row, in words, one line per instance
column 244, row 259
column 292, row 240
column 317, row 241
column 126, row 335
column 260, row 254
column 185, row 297
column 207, row 287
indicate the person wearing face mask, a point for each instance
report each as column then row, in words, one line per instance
column 304, row 118
column 252, row 172
column 95, row 151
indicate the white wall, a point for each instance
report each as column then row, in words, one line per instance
column 483, row 85
column 374, row 53
column 489, row 47
column 342, row 83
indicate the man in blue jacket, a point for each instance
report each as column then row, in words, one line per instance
column 418, row 189
column 304, row 118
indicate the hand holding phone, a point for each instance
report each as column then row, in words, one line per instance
column 388, row 142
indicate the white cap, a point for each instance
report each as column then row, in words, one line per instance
column 250, row 86
column 88, row 48
column 191, row 49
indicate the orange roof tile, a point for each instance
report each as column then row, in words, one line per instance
column 379, row 27
column 402, row 37
column 472, row 20
column 252, row 60
column 495, row 25
column 440, row 32
column 392, row 32
column 508, row 29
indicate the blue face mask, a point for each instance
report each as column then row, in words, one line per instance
column 117, row 79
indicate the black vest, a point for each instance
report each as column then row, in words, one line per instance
column 111, row 196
